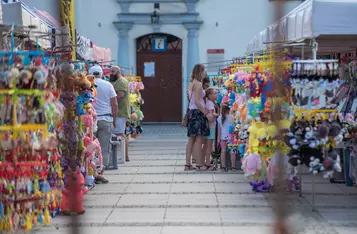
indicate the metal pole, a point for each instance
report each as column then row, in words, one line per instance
column 347, row 161
column 300, row 181
column 313, row 193
column 300, row 166
column 115, row 157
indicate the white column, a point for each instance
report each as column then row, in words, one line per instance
column 192, row 57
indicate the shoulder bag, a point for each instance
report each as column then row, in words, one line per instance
column 184, row 121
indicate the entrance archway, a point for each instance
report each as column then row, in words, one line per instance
column 159, row 63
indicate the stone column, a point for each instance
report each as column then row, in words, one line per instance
column 192, row 45
column 192, row 55
column 191, row 6
column 123, row 47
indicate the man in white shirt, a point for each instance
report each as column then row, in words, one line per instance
column 106, row 106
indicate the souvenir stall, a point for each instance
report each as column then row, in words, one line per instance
column 249, row 91
column 30, row 171
column 320, row 28
column 309, row 122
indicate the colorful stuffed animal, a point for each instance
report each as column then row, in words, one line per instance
column 251, row 165
column 72, row 195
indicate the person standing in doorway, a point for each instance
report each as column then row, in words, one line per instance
column 106, row 107
column 121, row 86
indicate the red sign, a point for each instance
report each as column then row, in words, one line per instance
column 215, row 51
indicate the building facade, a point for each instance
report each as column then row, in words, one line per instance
column 164, row 52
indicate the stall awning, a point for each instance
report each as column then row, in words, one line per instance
column 312, row 19
column 19, row 14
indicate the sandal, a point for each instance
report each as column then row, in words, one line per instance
column 189, row 168
column 210, row 168
column 223, row 169
column 201, row 168
column 233, row 169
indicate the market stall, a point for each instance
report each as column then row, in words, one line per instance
column 320, row 29
column 326, row 21
column 30, row 160
column 19, row 14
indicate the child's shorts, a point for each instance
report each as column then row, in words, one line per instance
column 212, row 133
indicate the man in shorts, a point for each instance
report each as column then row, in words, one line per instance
column 121, row 86
column 106, row 107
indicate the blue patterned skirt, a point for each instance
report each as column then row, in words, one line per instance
column 197, row 124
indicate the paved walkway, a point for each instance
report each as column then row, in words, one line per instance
column 153, row 195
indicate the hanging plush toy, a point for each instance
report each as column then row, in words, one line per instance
column 252, row 165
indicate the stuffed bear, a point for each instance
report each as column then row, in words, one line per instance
column 332, row 162
column 315, row 165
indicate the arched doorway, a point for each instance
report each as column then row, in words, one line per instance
column 159, row 63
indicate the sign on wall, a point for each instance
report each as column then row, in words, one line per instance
column 159, row 44
column 215, row 59
column 149, row 69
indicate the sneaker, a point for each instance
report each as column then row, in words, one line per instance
column 101, row 180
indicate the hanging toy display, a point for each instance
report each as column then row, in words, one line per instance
column 309, row 126
column 78, row 124
column 30, row 171
column 250, row 94
column 134, row 127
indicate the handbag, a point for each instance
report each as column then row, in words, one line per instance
column 184, row 121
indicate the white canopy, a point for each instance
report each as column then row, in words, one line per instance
column 311, row 19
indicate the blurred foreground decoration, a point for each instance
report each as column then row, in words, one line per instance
column 67, row 13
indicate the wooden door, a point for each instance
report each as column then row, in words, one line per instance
column 163, row 92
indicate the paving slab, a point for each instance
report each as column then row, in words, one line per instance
column 148, row 188
column 193, row 199
column 61, row 230
column 339, row 216
column 247, row 215
column 152, row 178
column 136, row 216
column 104, row 200
column 193, row 178
column 346, row 230
column 152, row 194
column 155, row 170
column 130, row 230
column 192, row 230
column 193, row 215
column 192, row 188
column 95, row 216
column 242, row 200
column 143, row 200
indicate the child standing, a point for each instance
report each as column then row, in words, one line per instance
column 224, row 122
column 211, row 107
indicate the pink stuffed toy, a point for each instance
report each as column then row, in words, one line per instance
column 91, row 148
column 252, row 165
column 89, row 120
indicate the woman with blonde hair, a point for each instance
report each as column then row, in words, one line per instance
column 197, row 126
